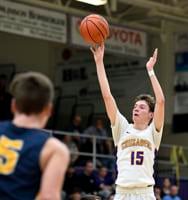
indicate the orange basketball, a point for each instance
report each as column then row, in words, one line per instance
column 94, row 29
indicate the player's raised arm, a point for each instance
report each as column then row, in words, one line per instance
column 110, row 104
column 159, row 96
column 54, row 161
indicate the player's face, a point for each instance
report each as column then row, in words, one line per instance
column 141, row 112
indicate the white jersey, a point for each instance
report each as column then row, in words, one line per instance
column 135, row 152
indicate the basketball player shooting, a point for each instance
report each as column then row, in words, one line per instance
column 136, row 142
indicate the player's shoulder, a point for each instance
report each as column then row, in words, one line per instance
column 55, row 146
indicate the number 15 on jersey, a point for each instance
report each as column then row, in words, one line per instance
column 137, row 157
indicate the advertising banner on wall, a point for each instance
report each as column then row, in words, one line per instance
column 181, row 83
column 122, row 40
column 33, row 22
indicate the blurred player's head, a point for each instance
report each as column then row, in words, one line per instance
column 32, row 95
column 143, row 109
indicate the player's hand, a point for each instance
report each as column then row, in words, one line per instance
column 151, row 62
column 98, row 52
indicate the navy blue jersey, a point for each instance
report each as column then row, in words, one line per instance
column 20, row 172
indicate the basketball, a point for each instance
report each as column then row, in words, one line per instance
column 94, row 29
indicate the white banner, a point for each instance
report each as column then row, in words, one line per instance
column 33, row 22
column 121, row 41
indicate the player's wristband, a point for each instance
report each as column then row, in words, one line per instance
column 151, row 73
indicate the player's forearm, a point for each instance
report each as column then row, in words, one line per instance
column 109, row 101
column 159, row 96
column 103, row 81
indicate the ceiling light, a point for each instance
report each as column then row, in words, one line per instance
column 94, row 2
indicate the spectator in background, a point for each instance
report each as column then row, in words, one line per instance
column 165, row 187
column 104, row 182
column 173, row 193
column 75, row 196
column 70, row 181
column 76, row 124
column 86, row 180
column 97, row 130
column 103, row 146
column 157, row 192
column 67, row 139
column 5, row 99
column 76, row 127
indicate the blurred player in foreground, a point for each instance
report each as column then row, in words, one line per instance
column 136, row 142
column 32, row 164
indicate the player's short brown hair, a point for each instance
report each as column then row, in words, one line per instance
column 32, row 91
column 149, row 100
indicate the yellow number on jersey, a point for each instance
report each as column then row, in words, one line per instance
column 8, row 154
